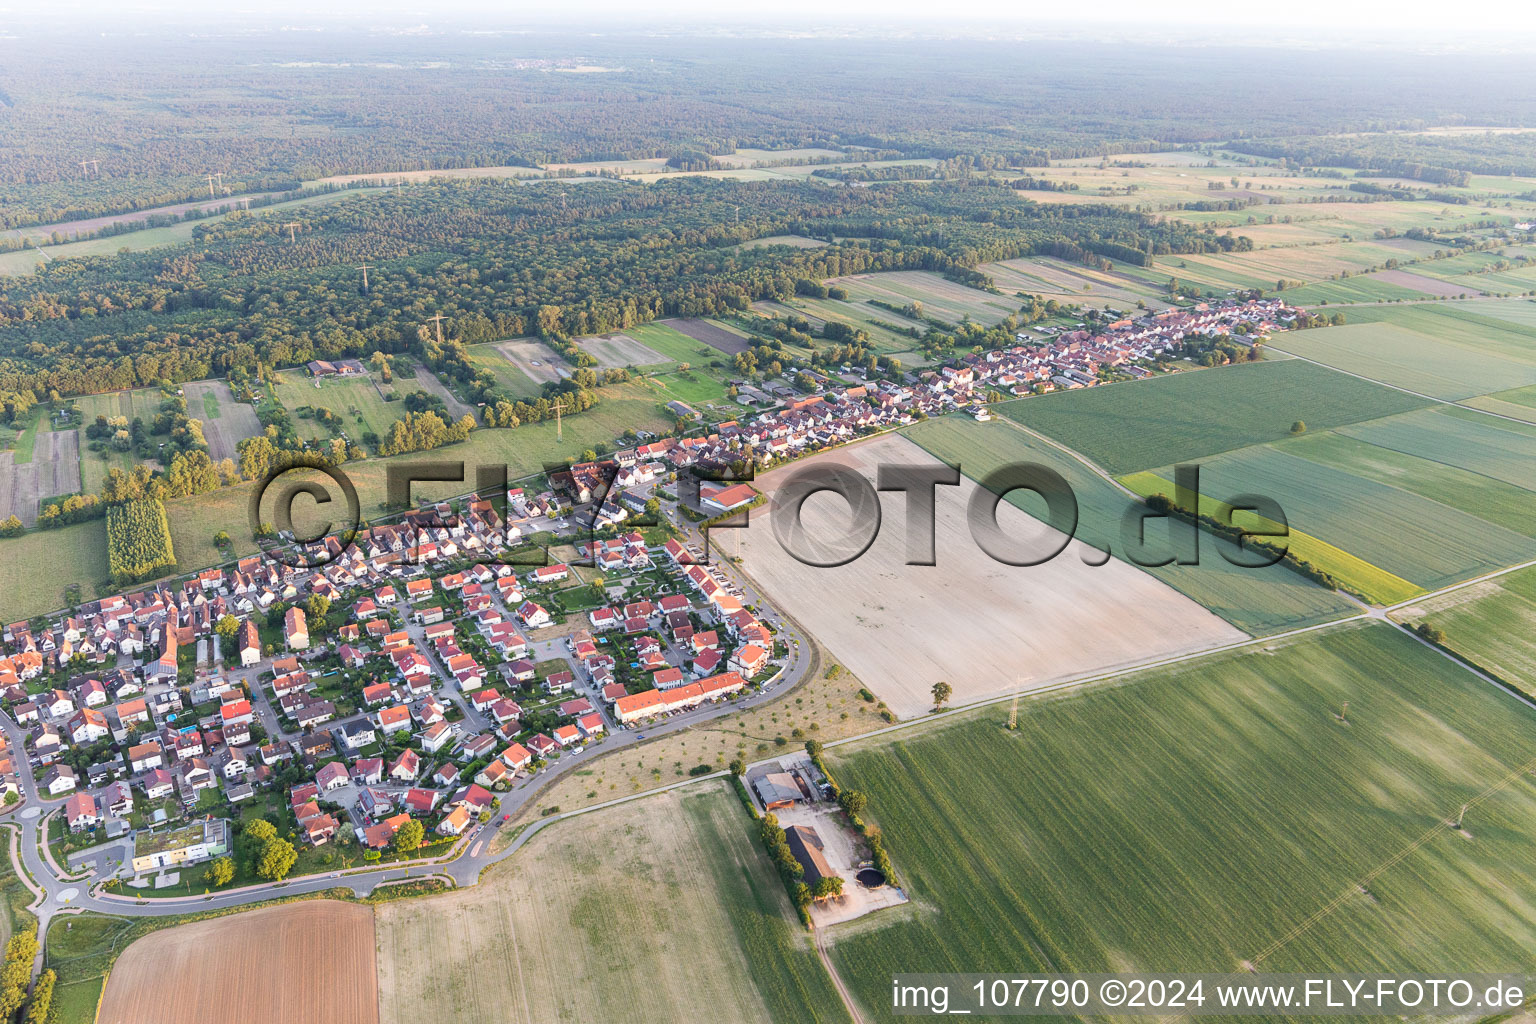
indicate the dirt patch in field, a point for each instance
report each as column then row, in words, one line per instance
column 432, row 385
column 534, row 358
column 1420, row 283
column 982, row 626
column 235, row 422
column 715, row 337
column 311, row 961
column 616, row 350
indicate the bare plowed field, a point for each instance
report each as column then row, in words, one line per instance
column 618, row 349
column 715, row 337
column 534, row 358
column 235, row 421
column 982, row 626
column 311, row 961
column 54, row 469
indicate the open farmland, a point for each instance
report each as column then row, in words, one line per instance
column 1490, row 447
column 1492, row 624
column 1163, row 420
column 619, row 349
column 511, row 379
column 985, row 627
column 941, row 297
column 1441, row 357
column 532, row 358
column 1051, row 278
column 1197, row 818
column 728, row 340
column 46, row 463
column 228, row 969
column 1426, row 542
column 1257, row 601
column 1387, row 285
column 659, row 910
column 226, row 422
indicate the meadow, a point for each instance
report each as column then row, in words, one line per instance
column 512, row 380
column 1210, row 817
column 1257, row 601
column 357, row 400
column 1492, row 624
column 1162, row 420
column 661, row 909
column 941, row 297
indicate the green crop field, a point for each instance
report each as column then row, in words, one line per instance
column 1486, row 445
column 1211, row 817
column 1492, row 624
column 1515, row 311
column 1400, row 532
column 1434, row 358
column 1156, row 422
column 1496, row 501
column 40, row 564
column 1258, row 601
column 694, row 387
column 1071, row 282
column 886, row 329
column 673, row 344
column 941, row 297
column 1517, row 402
column 1362, row 288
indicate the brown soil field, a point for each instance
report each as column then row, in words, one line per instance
column 309, row 961
column 618, row 349
column 607, row 917
column 1420, row 283
column 54, row 469
column 432, row 385
column 236, row 420
column 523, row 353
column 984, row 627
column 709, row 334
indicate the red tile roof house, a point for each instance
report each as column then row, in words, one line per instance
column 392, row 720
column 81, row 813
column 550, row 573
column 543, row 745
column 706, row 663
column 750, row 659
column 573, row 708
column 455, row 822
column 421, row 801
column 517, row 756
column 369, row 770
column 590, row 725
column 484, row 699
column 331, row 776
column 406, row 767
column 295, row 629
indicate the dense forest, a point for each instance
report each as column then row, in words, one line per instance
column 160, row 114
column 501, row 259
column 1440, row 159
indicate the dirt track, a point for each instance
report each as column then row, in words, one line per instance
column 311, row 961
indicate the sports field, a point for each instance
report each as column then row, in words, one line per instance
column 659, row 910
column 1257, row 601
column 1213, row 817
column 1163, row 420
column 252, row 968
column 1492, row 623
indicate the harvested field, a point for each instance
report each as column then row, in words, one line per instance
column 1066, row 282
column 983, row 626
column 226, row 422
column 1420, row 283
column 659, row 910
column 618, row 349
column 711, row 334
column 53, row 469
column 310, row 961
column 534, row 358
column 948, row 300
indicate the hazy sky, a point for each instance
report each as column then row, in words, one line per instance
column 1492, row 17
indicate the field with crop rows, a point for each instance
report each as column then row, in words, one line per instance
column 1257, row 601
column 1196, row 819
column 1400, row 532
column 941, row 297
column 1155, row 422
column 1490, row 447
column 1492, row 623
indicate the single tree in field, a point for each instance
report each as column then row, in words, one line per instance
column 1299, row 427
column 738, row 767
column 942, row 691
column 409, row 837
